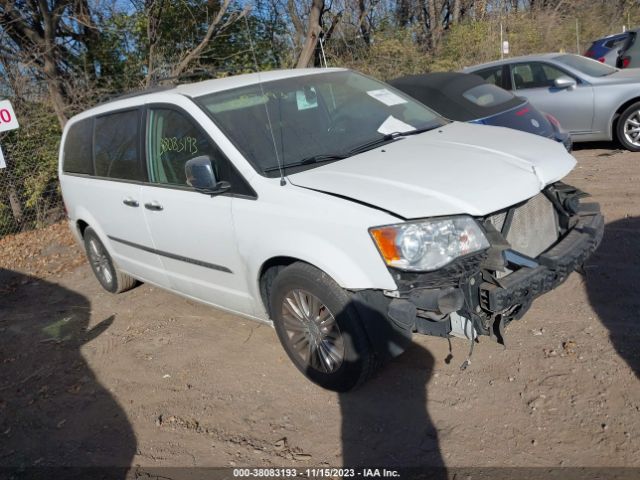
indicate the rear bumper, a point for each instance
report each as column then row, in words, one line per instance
column 554, row 266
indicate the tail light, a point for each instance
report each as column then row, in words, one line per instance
column 553, row 120
column 626, row 61
column 601, row 59
column 589, row 54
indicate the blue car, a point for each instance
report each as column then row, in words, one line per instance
column 605, row 50
column 469, row 98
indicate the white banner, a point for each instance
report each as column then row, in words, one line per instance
column 8, row 120
column 2, row 164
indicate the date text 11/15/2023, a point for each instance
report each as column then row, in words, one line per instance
column 314, row 472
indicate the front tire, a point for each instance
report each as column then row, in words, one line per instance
column 628, row 128
column 319, row 328
column 105, row 270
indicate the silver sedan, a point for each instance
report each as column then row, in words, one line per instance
column 591, row 100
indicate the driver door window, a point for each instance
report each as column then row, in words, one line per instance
column 173, row 140
column 535, row 75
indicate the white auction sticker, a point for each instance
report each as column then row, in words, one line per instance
column 393, row 125
column 2, row 164
column 8, row 119
column 385, row 96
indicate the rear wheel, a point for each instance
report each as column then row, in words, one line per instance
column 107, row 273
column 319, row 328
column 628, row 129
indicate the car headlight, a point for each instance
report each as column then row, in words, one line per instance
column 428, row 244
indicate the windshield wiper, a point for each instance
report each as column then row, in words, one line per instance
column 418, row 130
column 386, row 139
column 354, row 151
column 309, row 160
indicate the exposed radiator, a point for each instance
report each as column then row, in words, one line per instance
column 533, row 228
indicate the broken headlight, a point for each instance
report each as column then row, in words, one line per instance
column 428, row 244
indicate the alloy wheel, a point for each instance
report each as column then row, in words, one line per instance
column 100, row 261
column 312, row 331
column 632, row 128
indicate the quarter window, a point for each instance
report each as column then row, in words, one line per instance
column 117, row 146
column 78, row 145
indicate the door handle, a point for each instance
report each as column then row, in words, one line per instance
column 153, row 206
column 130, row 202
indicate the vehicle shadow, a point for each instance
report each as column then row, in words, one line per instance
column 385, row 423
column 613, row 283
column 602, row 145
column 53, row 410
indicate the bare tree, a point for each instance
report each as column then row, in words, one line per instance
column 34, row 30
column 297, row 23
column 217, row 26
column 153, row 9
column 313, row 34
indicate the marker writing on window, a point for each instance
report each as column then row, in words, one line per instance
column 175, row 144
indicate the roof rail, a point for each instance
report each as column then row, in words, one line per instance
column 136, row 93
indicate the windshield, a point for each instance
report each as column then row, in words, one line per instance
column 316, row 116
column 587, row 66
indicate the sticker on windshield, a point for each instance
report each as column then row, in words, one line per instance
column 306, row 98
column 393, row 125
column 385, row 96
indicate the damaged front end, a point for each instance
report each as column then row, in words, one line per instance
column 534, row 246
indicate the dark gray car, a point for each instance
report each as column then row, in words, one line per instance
column 591, row 100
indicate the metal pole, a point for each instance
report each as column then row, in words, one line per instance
column 501, row 43
column 577, row 37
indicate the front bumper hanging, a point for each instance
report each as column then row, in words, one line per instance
column 554, row 266
column 470, row 296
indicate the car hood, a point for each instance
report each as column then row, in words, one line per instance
column 455, row 169
column 626, row 75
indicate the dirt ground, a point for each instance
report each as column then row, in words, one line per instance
column 148, row 378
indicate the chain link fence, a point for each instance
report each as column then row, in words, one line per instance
column 29, row 195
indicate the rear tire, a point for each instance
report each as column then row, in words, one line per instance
column 628, row 128
column 105, row 270
column 320, row 329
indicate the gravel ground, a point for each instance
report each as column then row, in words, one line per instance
column 150, row 379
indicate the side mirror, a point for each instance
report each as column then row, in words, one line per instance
column 564, row 82
column 201, row 177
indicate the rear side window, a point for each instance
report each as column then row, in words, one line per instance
column 117, row 146
column 78, row 148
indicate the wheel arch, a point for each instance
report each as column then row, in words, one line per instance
column 268, row 272
column 81, row 225
column 616, row 116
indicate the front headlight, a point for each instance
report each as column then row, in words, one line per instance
column 428, row 244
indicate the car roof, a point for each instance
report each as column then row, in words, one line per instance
column 538, row 56
column 228, row 83
column 198, row 89
column 444, row 93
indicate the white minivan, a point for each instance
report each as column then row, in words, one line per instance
column 328, row 203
